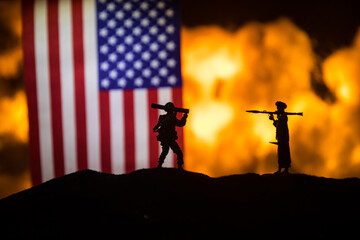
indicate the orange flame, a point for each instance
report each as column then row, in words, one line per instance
column 226, row 73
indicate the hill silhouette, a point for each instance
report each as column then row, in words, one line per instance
column 172, row 204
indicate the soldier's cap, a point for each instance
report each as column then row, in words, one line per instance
column 281, row 105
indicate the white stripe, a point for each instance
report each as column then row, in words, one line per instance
column 43, row 90
column 67, row 85
column 165, row 96
column 91, row 84
column 117, row 132
column 141, row 123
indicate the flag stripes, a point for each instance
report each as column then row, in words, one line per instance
column 73, row 125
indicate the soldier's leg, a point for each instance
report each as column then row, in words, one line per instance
column 164, row 152
column 177, row 150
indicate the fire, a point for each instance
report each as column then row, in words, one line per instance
column 226, row 73
column 13, row 111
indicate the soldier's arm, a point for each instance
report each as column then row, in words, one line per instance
column 182, row 121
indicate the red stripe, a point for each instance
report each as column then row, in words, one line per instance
column 129, row 131
column 31, row 89
column 177, row 99
column 153, row 118
column 105, row 144
column 80, row 115
column 55, row 87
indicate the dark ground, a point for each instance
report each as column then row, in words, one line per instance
column 168, row 204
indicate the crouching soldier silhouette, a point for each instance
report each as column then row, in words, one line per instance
column 282, row 136
column 168, row 135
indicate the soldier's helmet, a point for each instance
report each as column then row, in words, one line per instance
column 281, row 105
column 169, row 107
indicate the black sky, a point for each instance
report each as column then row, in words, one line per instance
column 331, row 24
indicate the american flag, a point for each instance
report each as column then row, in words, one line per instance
column 92, row 69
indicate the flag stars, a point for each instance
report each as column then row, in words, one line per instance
column 170, row 29
column 120, row 15
column 129, row 40
column 113, row 74
column 138, row 82
column 138, row 65
column 129, row 56
column 155, row 81
column 130, row 73
column 112, row 40
column 161, row 21
column 111, row 7
column 163, row 72
column 154, row 63
column 121, row 65
column 136, row 14
column 171, row 62
column 162, row 38
column 154, row 47
column 145, row 22
column 146, row 73
column 112, row 57
column 104, row 49
column 145, row 39
column 111, row 23
column 120, row 48
column 104, row 66
column 161, row 5
column 153, row 30
column 162, row 55
column 122, row 82
column 127, row 6
column 153, row 13
column 169, row 13
column 103, row 15
column 120, row 32
column 172, row 80
column 137, row 47
column 170, row 46
column 103, row 32
column 144, row 6
column 105, row 83
column 128, row 23
column 137, row 31
column 146, row 56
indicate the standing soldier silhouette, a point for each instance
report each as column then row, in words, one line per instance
column 168, row 135
column 282, row 136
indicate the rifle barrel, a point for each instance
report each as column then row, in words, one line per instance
column 276, row 112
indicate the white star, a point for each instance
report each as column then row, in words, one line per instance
column 122, row 82
column 170, row 46
column 138, row 65
column 103, row 15
column 161, row 5
column 104, row 49
column 146, row 73
column 127, row 6
column 154, row 63
column 171, row 62
column 162, row 38
column 120, row 48
column 112, row 40
column 146, row 56
column 172, row 80
column 130, row 73
column 162, row 55
column 137, row 47
column 153, row 13
column 138, row 82
column 129, row 40
column 103, row 32
column 145, row 39
column 144, row 6
column 112, row 57
column 111, row 23
column 169, row 13
column 163, row 72
column 137, row 31
column 104, row 66
column 121, row 65
column 102, row 1
column 120, row 32
column 129, row 56
column 153, row 30
column 155, row 81
column 105, row 83
column 120, row 14
column 170, row 29
column 161, row 21
column 128, row 23
column 111, row 7
column 145, row 22
column 154, row 47
column 136, row 14
column 113, row 74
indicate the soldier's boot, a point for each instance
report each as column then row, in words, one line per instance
column 180, row 161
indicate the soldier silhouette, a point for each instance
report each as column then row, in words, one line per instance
column 168, row 135
column 282, row 136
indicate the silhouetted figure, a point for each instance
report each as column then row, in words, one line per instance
column 168, row 135
column 282, row 136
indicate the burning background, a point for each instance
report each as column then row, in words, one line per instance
column 235, row 56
